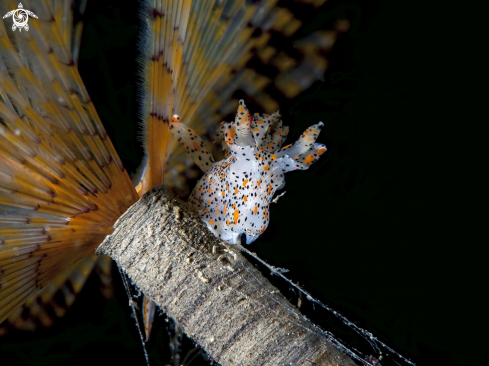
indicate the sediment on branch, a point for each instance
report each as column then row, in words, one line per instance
column 210, row 289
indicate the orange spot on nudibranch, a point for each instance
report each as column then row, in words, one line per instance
column 245, row 198
column 269, row 189
column 245, row 182
column 266, row 168
column 236, row 216
column 308, row 159
column 231, row 133
column 211, row 221
column 197, row 147
column 273, row 157
column 262, row 229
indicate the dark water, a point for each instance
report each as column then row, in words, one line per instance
column 386, row 227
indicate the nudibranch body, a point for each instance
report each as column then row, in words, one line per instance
column 234, row 195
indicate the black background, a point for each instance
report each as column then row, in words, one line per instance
column 387, row 227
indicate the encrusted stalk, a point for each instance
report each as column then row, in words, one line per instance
column 210, row 289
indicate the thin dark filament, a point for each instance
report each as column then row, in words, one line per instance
column 373, row 341
column 134, row 311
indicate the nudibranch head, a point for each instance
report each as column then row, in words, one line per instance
column 234, row 195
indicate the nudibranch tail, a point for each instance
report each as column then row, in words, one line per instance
column 234, row 195
column 194, row 145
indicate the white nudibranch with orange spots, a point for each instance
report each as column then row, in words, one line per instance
column 234, row 195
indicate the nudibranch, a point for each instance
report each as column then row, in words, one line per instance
column 234, row 195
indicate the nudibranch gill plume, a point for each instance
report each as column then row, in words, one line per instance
column 234, row 195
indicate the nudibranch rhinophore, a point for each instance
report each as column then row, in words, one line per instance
column 234, row 195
